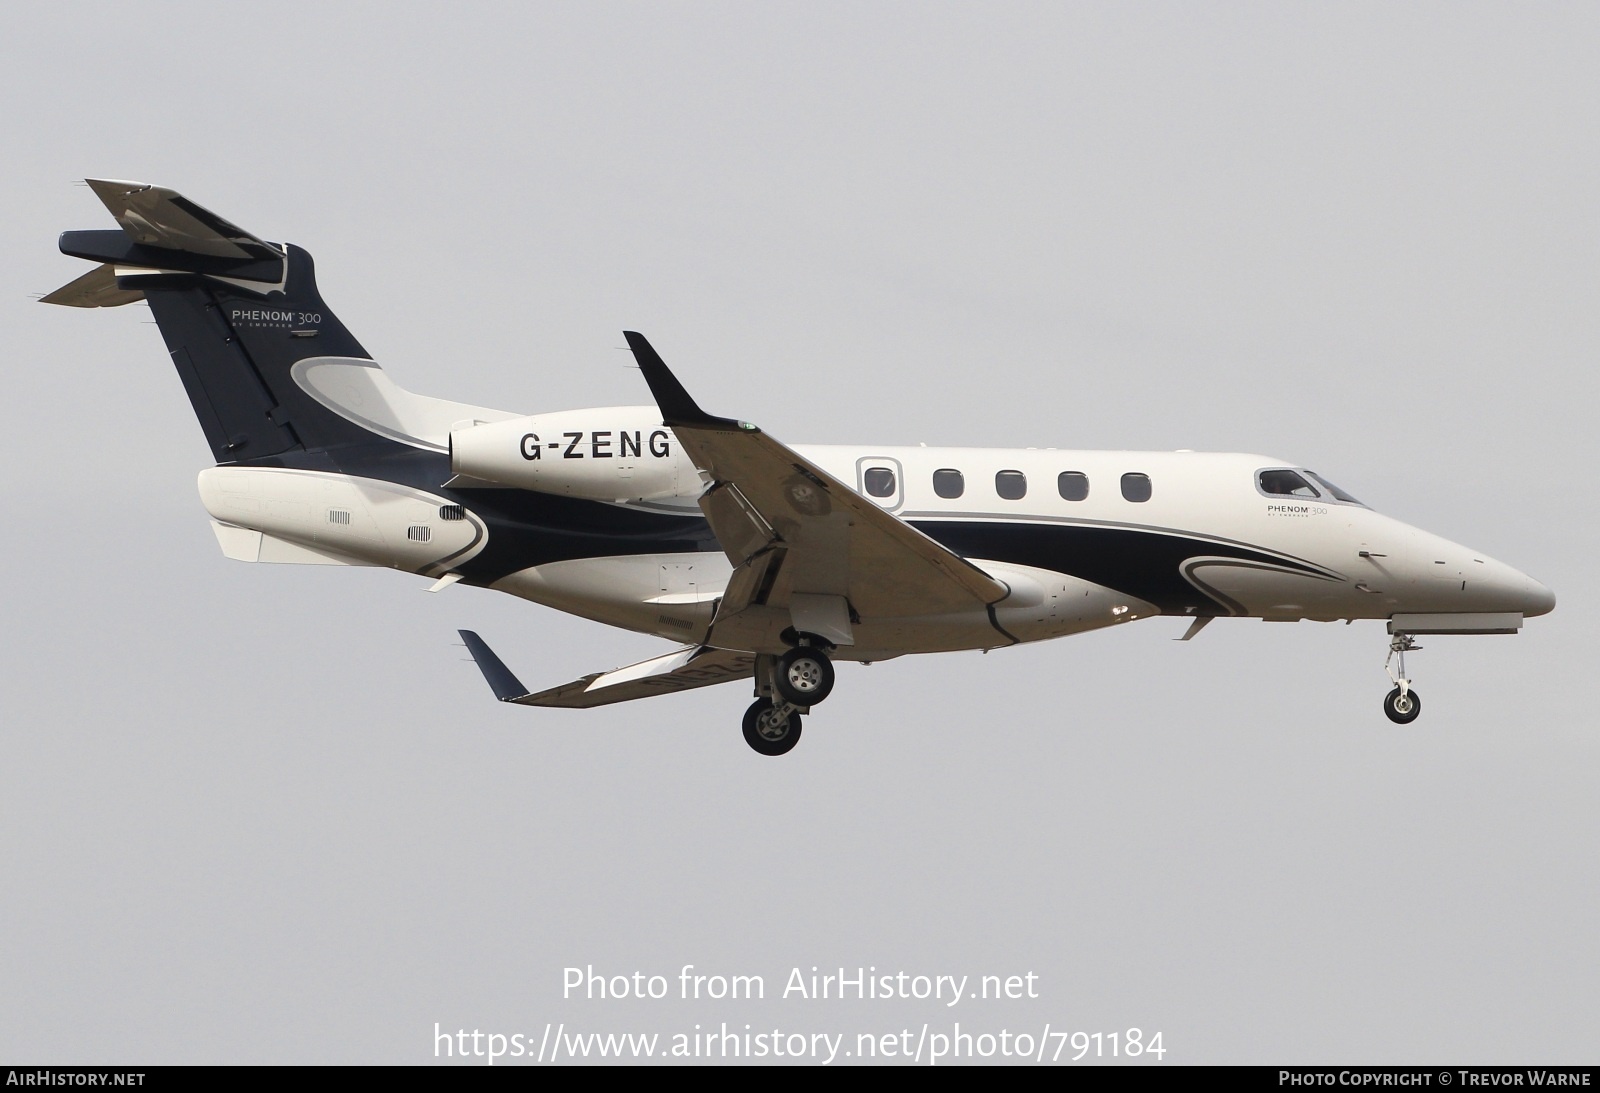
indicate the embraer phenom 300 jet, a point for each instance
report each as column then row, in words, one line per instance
column 765, row 563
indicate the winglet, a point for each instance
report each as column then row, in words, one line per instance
column 677, row 408
column 506, row 687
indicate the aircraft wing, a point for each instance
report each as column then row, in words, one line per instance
column 680, row 670
column 768, row 504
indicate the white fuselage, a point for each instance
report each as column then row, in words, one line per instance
column 1191, row 533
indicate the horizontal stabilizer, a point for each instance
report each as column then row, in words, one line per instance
column 155, row 216
column 97, row 288
column 680, row 670
column 162, row 233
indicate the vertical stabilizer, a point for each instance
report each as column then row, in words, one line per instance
column 237, row 313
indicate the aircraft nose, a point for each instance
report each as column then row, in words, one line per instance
column 1537, row 599
column 1520, row 592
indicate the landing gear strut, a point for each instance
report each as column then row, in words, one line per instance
column 786, row 687
column 1402, row 705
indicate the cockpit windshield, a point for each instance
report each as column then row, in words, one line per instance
column 1335, row 490
column 1285, row 484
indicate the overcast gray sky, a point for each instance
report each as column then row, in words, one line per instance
column 266, row 813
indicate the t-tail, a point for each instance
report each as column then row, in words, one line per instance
column 238, row 315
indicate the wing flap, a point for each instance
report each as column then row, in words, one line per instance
column 741, row 530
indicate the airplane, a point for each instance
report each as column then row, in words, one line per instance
column 764, row 563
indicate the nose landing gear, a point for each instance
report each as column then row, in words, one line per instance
column 1401, row 705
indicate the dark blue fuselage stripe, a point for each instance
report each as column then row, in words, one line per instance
column 527, row 529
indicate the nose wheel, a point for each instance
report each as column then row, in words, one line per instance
column 1402, row 705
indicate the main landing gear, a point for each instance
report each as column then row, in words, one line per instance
column 786, row 687
column 804, row 675
column 771, row 728
column 1402, row 705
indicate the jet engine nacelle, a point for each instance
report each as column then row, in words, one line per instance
column 617, row 453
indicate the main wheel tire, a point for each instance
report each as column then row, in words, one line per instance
column 1402, row 709
column 804, row 676
column 764, row 732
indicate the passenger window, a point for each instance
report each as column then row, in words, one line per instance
column 1136, row 487
column 880, row 481
column 1072, row 485
column 1285, row 484
column 949, row 484
column 1011, row 485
